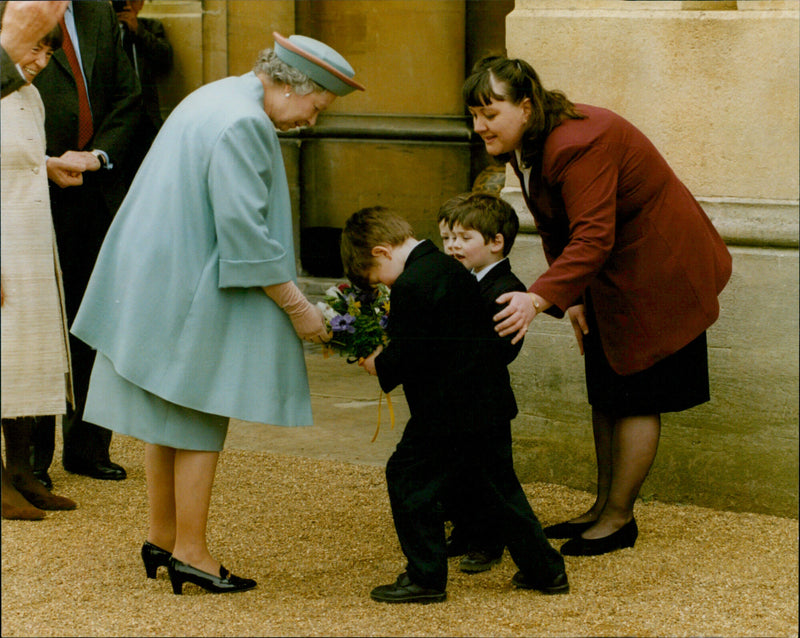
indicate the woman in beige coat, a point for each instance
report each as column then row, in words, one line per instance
column 35, row 352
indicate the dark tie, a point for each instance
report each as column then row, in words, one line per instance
column 85, row 125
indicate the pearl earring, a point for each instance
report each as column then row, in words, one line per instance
column 286, row 94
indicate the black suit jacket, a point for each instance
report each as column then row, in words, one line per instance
column 114, row 95
column 496, row 282
column 153, row 57
column 442, row 350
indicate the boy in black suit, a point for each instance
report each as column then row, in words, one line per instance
column 479, row 230
column 442, row 350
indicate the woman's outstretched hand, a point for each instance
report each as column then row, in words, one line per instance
column 577, row 315
column 517, row 315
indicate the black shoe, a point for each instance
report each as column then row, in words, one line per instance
column 226, row 582
column 625, row 536
column 558, row 585
column 154, row 557
column 102, row 470
column 567, row 530
column 479, row 561
column 455, row 546
column 404, row 591
column 44, row 478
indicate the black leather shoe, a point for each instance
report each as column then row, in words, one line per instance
column 566, row 530
column 558, row 585
column 479, row 561
column 625, row 536
column 103, row 470
column 154, row 557
column 456, row 546
column 404, row 591
column 44, row 478
column 180, row 572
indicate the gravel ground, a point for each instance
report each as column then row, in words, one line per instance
column 317, row 535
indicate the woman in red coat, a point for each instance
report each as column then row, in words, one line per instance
column 633, row 260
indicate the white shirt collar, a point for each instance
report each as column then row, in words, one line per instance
column 480, row 275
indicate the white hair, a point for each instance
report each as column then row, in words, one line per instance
column 272, row 66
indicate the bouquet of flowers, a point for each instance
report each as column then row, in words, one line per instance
column 357, row 318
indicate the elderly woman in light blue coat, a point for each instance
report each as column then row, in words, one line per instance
column 192, row 305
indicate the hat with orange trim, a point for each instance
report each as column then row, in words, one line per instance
column 318, row 61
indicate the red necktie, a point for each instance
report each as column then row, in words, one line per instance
column 85, row 125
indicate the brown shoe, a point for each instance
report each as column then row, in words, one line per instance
column 15, row 507
column 38, row 495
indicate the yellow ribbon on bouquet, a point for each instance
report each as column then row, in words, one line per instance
column 391, row 414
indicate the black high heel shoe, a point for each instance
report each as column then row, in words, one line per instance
column 180, row 572
column 625, row 536
column 154, row 557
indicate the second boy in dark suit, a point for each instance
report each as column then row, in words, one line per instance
column 481, row 229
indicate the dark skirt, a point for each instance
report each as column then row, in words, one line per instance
column 677, row 382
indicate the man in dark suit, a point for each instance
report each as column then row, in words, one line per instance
column 442, row 350
column 92, row 102
column 145, row 43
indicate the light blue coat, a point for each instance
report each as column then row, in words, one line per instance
column 175, row 298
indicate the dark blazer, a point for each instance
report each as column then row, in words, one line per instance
column 442, row 349
column 153, row 59
column 114, row 95
column 616, row 220
column 10, row 79
column 500, row 280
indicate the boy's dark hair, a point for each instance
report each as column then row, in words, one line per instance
column 365, row 229
column 489, row 215
column 446, row 209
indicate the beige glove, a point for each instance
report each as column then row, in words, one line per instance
column 307, row 320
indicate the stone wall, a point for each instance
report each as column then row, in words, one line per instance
column 715, row 86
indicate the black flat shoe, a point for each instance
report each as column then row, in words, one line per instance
column 558, row 585
column 154, row 557
column 102, row 470
column 567, row 530
column 405, row 591
column 625, row 536
column 226, row 582
column 478, row 561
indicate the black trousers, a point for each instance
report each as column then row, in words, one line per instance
column 419, row 475
column 81, row 218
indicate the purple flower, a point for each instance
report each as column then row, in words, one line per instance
column 384, row 321
column 343, row 323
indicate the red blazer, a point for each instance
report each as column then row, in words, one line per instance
column 615, row 219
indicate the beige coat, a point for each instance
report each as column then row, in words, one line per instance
column 35, row 360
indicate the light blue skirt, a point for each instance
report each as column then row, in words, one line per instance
column 125, row 408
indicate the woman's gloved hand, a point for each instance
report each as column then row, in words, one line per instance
column 308, row 322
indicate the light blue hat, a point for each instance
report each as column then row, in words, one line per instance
column 318, row 61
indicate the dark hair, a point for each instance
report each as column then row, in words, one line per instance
column 52, row 39
column 517, row 80
column 365, row 229
column 489, row 215
column 446, row 209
